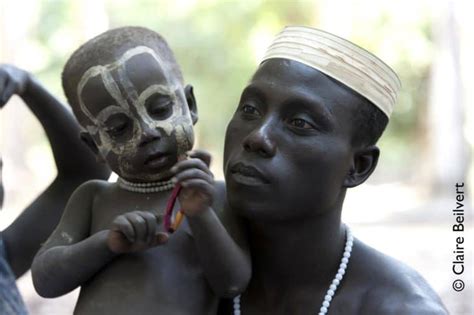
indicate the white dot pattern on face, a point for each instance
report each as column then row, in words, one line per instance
column 180, row 121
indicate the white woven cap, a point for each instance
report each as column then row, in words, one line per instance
column 340, row 59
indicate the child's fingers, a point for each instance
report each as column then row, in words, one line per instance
column 202, row 155
column 151, row 226
column 123, row 225
column 160, row 239
column 158, row 218
column 139, row 226
column 200, row 185
column 191, row 163
column 190, row 174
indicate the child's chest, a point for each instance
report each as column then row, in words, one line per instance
column 108, row 206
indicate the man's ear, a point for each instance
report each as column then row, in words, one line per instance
column 363, row 164
column 188, row 91
column 87, row 139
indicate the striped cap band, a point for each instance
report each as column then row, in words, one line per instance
column 340, row 59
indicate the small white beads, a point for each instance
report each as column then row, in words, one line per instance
column 340, row 273
column 237, row 305
column 334, row 284
column 145, row 188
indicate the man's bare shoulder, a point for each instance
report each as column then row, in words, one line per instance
column 390, row 286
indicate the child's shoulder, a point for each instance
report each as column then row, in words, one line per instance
column 92, row 187
column 390, row 286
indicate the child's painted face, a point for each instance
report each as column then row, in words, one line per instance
column 137, row 114
column 288, row 145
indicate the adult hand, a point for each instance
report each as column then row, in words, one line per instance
column 12, row 81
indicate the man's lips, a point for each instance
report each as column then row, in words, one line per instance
column 247, row 174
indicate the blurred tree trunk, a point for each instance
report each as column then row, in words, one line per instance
column 445, row 114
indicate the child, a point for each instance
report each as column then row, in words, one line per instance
column 127, row 93
column 75, row 164
column 303, row 133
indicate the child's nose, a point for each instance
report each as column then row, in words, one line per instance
column 149, row 134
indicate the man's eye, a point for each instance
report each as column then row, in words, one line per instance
column 300, row 123
column 249, row 109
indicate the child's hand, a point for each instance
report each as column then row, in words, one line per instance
column 135, row 231
column 197, row 182
column 12, row 81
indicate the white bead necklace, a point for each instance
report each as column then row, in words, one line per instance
column 334, row 284
column 145, row 188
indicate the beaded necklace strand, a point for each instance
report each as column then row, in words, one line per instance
column 334, row 284
column 145, row 188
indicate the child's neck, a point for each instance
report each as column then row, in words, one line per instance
column 145, row 187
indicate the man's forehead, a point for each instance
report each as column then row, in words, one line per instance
column 296, row 84
column 286, row 71
column 293, row 77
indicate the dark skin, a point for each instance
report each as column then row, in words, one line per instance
column 292, row 133
column 111, row 241
column 74, row 161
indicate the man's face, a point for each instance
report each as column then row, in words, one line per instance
column 288, row 145
column 137, row 114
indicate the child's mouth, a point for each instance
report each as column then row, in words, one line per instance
column 157, row 160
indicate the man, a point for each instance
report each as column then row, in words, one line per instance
column 304, row 132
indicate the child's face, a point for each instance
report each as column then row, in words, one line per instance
column 288, row 145
column 137, row 114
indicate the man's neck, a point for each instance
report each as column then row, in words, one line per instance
column 302, row 253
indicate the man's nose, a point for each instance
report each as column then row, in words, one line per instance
column 148, row 134
column 261, row 141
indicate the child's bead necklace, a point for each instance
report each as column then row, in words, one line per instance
column 334, row 284
column 145, row 188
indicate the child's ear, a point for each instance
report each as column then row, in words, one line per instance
column 363, row 164
column 188, row 91
column 87, row 139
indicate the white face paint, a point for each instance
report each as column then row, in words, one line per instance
column 131, row 102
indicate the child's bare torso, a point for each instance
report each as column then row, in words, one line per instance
column 166, row 279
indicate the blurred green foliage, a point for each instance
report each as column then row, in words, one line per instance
column 214, row 44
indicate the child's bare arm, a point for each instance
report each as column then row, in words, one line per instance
column 74, row 161
column 71, row 256
column 225, row 259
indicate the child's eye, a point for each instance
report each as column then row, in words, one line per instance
column 117, row 125
column 300, row 123
column 117, row 129
column 159, row 107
